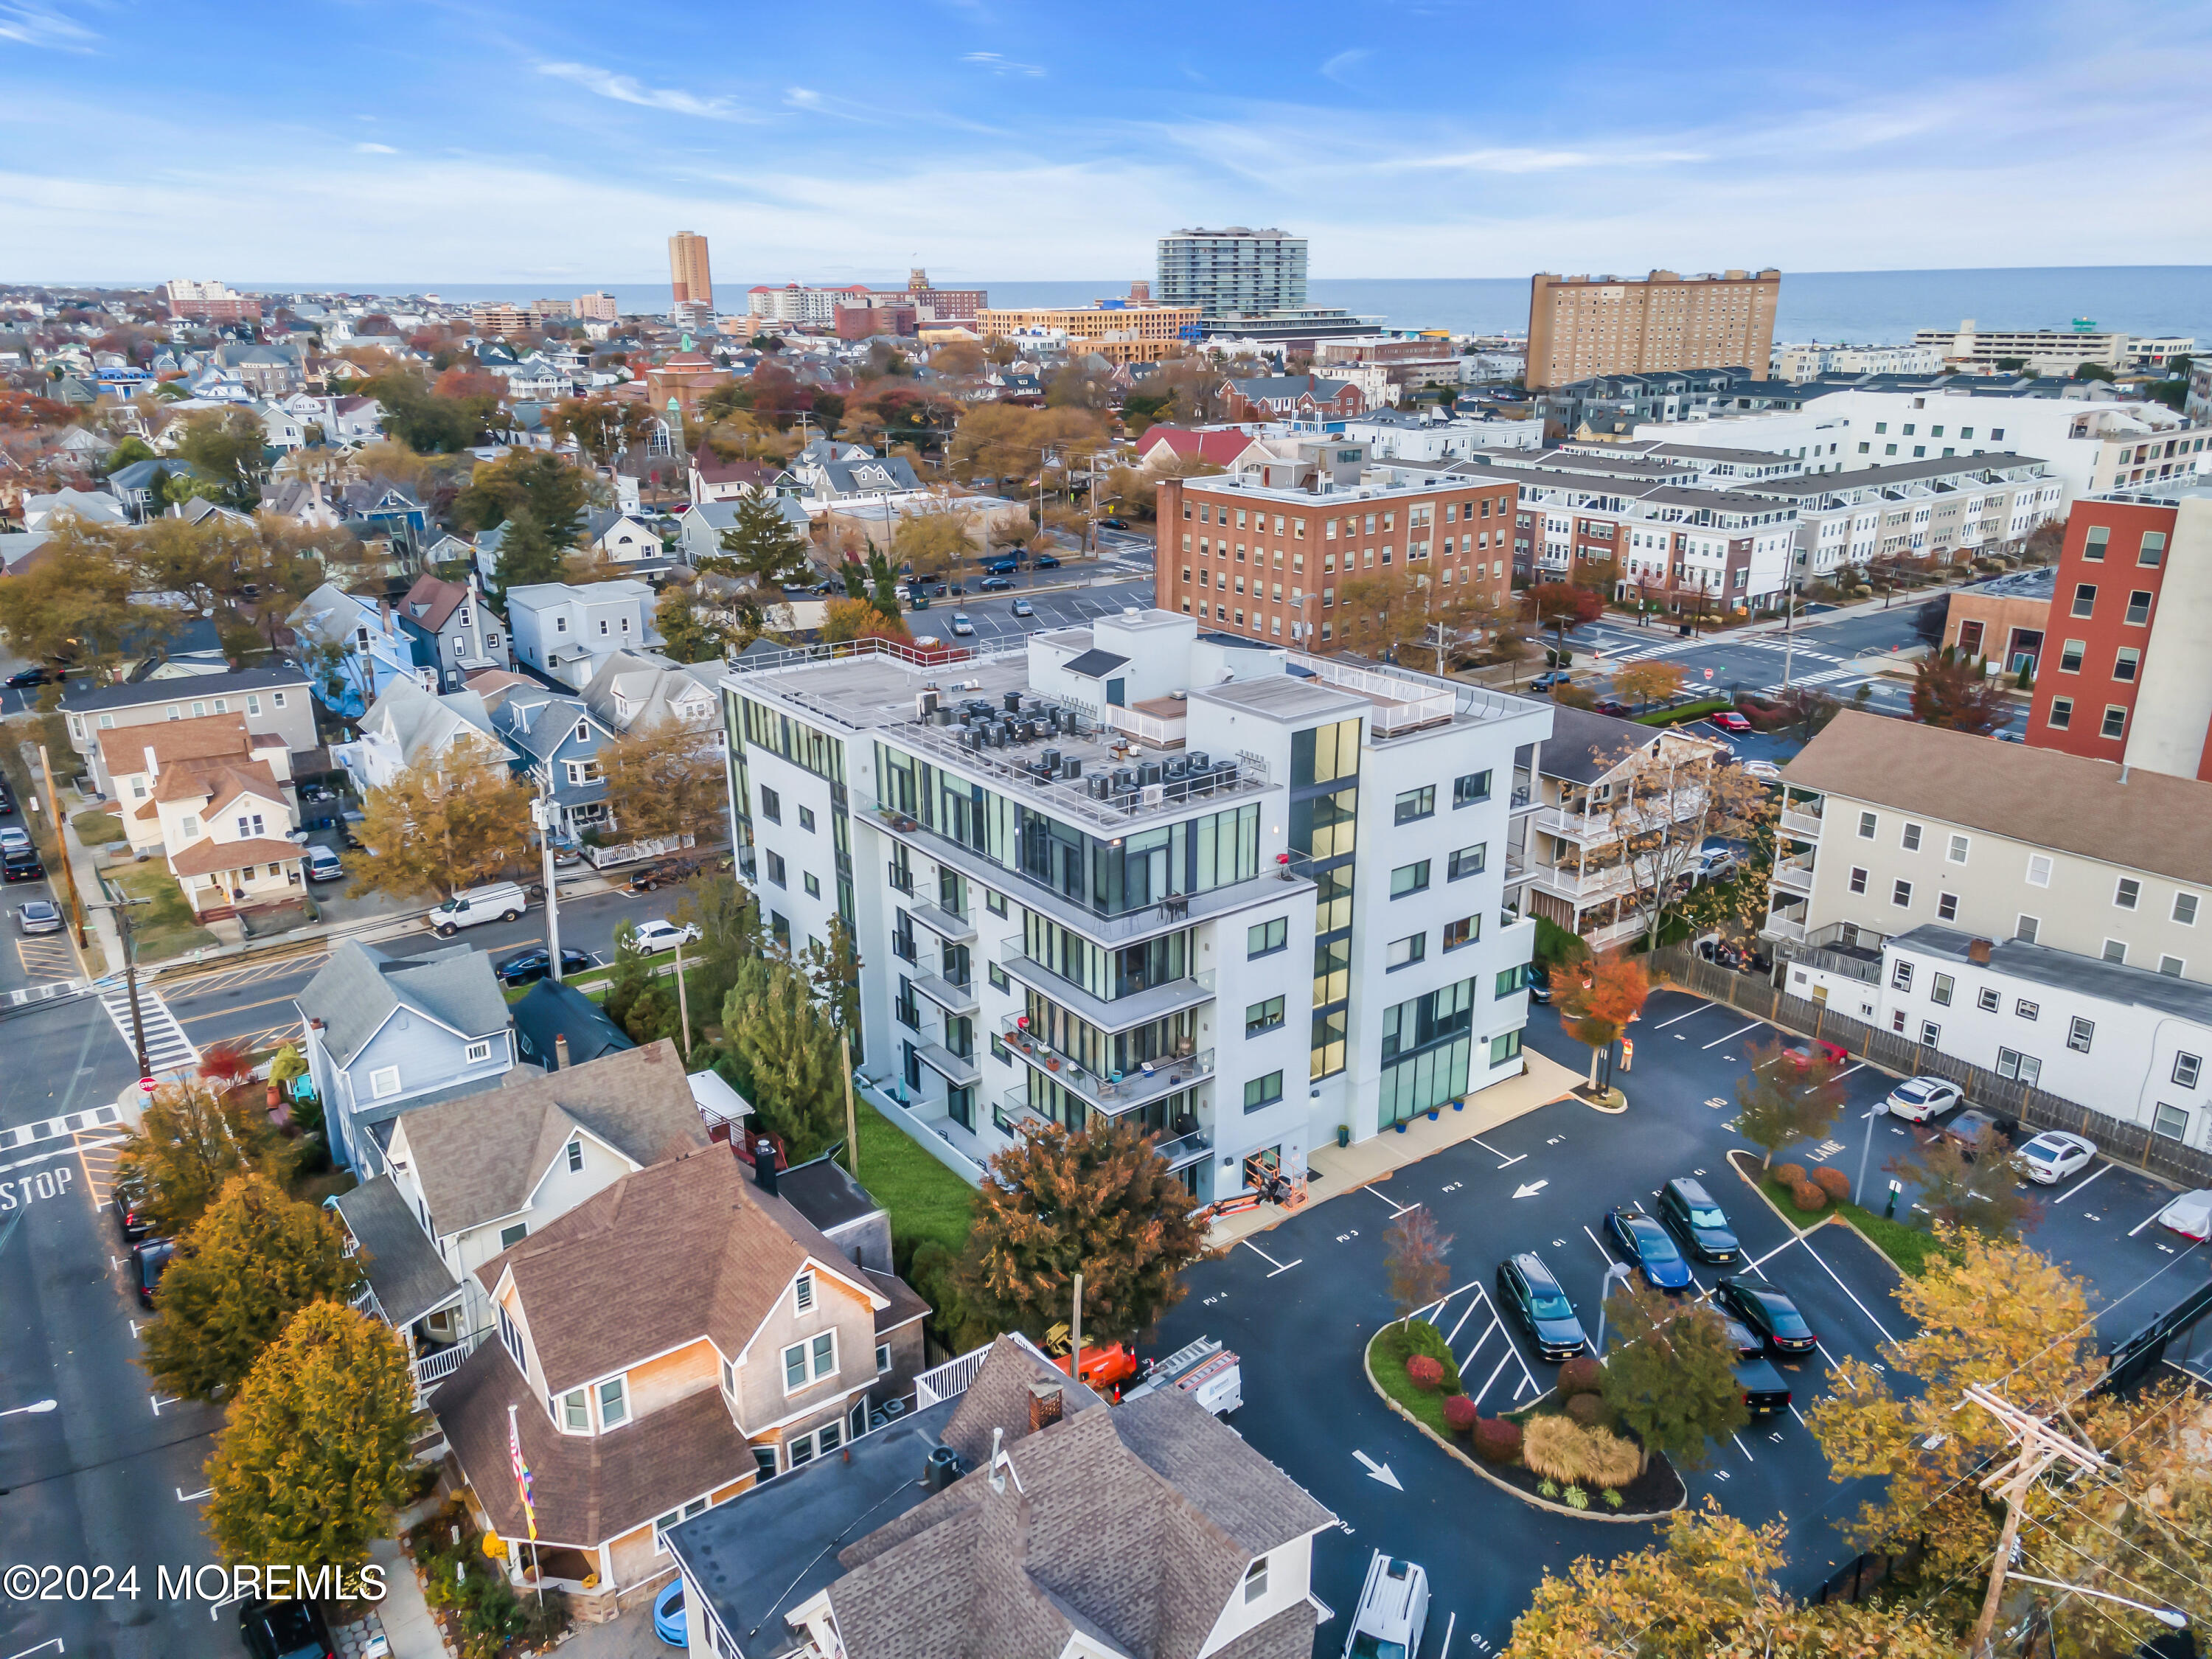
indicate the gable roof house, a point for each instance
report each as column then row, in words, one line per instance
column 361, row 649
column 91, row 508
column 471, row 1177
column 409, row 726
column 623, row 538
column 216, row 802
column 566, row 632
column 849, row 480
column 388, row 1034
column 1306, row 397
column 557, row 1026
column 558, row 739
column 273, row 699
column 1224, row 446
column 700, row 527
column 663, row 1346
column 462, row 634
column 714, row 479
column 635, row 688
column 1147, row 1530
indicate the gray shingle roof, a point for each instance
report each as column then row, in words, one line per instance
column 479, row 1157
column 80, row 698
column 360, row 987
column 403, row 1268
column 553, row 1009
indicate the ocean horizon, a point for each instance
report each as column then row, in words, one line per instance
column 1859, row 307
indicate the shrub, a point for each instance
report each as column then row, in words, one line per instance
column 1587, row 1409
column 1580, row 1375
column 1495, row 1440
column 1577, row 1498
column 1420, row 1336
column 1612, row 1498
column 1459, row 1413
column 1834, row 1183
column 1808, row 1197
column 1426, row 1374
column 1547, row 1489
column 1614, row 1461
column 1789, row 1175
column 1561, row 1450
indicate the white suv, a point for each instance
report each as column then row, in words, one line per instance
column 660, row 935
column 1393, row 1611
column 498, row 901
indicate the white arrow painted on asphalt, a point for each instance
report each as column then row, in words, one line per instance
column 1379, row 1472
column 1531, row 1189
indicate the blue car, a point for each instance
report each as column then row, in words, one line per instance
column 668, row 1614
column 1648, row 1246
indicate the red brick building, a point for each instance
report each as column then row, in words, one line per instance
column 1292, row 397
column 1268, row 560
column 2126, row 668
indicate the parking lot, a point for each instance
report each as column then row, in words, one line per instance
column 1300, row 1302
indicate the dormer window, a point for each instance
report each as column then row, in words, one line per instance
column 614, row 1402
column 576, row 1157
column 583, row 730
column 1255, row 1581
column 510, row 1336
column 575, row 1415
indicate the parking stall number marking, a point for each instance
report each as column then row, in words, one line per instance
column 1455, row 1186
column 1346, row 1237
column 26, row 1190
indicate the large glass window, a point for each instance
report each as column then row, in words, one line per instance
column 1409, row 879
column 1325, row 753
column 1427, row 1047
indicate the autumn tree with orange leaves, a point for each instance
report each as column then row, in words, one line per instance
column 1596, row 999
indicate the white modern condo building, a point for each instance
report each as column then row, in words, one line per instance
column 1241, row 896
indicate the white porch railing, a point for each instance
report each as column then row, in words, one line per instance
column 950, row 1380
column 1148, row 728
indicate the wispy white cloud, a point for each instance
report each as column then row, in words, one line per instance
column 30, row 23
column 374, row 150
column 629, row 89
column 1517, row 160
column 999, row 64
column 1341, row 66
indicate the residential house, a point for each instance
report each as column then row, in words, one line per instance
column 714, row 479
column 274, row 701
column 1164, row 448
column 377, row 510
column 702, row 525
column 1292, row 397
column 557, row 739
column 215, row 801
column 389, row 1034
column 1208, row 1552
column 354, row 650
column 557, row 1026
column 342, row 420
column 464, row 635
column 566, row 632
column 634, row 689
column 1569, row 865
column 849, row 1216
column 663, row 1346
column 283, row 429
column 271, row 371
column 845, row 481
column 477, row 1174
column 622, row 536
column 91, row 507
column 138, row 486
column 409, row 726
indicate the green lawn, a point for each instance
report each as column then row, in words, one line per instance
column 162, row 927
column 926, row 1201
column 96, row 828
column 1907, row 1246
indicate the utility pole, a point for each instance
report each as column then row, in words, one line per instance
column 852, row 1123
column 61, row 840
column 544, row 814
column 2040, row 1446
column 1788, row 619
column 121, row 904
column 682, row 1002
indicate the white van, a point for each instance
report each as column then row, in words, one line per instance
column 1393, row 1611
column 498, row 901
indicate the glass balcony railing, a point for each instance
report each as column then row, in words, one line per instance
column 1112, row 1091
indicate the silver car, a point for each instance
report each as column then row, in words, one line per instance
column 38, row 916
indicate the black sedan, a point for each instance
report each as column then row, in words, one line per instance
column 1769, row 1313
column 1647, row 1245
column 526, row 966
column 1765, row 1392
column 285, row 1629
column 130, row 1200
column 1527, row 1289
column 23, row 677
column 149, row 1260
column 994, row 584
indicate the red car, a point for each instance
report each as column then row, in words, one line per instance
column 1803, row 1053
column 1729, row 721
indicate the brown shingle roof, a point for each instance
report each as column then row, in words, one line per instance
column 207, row 855
column 477, row 1158
column 124, row 747
column 686, row 1248
column 431, row 601
column 2152, row 821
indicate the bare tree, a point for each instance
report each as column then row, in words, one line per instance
column 1664, row 801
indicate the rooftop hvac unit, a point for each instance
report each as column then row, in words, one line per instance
column 997, row 736
column 1125, row 781
column 1099, row 786
column 925, row 704
column 1176, row 767
column 1198, row 759
column 1176, row 787
column 1148, row 772
column 1012, row 701
column 1154, row 794
column 942, row 717
column 1051, row 759
column 1071, row 767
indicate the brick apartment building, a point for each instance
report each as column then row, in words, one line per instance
column 2126, row 670
column 1293, row 397
column 209, row 303
column 1583, row 326
column 1265, row 559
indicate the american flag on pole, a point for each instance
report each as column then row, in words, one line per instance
column 521, row 1472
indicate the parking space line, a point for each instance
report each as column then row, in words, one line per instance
column 1495, row 1324
column 1745, row 1450
column 2147, row 1219
column 1679, row 1018
column 1859, row 1067
column 2078, row 1186
column 1846, row 1290
column 1454, row 1334
column 1799, row 1415
column 1279, row 1266
column 1733, row 1036
column 1825, row 1354
column 1600, row 1242
column 1396, row 1208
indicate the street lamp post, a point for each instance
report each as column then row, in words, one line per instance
column 119, row 904
column 1617, row 1270
column 545, row 814
column 2172, row 1617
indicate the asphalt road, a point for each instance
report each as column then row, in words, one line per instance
column 1300, row 1302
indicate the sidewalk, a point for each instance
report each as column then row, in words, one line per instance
column 404, row 1615
column 1334, row 1171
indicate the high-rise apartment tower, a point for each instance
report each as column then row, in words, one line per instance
column 1582, row 327
column 687, row 269
column 1232, row 272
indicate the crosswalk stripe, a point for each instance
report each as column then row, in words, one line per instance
column 168, row 1048
column 100, row 1117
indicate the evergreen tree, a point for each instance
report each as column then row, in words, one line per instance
column 785, row 1046
column 317, row 1452
column 1670, row 1375
column 528, row 553
column 763, row 545
column 1099, row 1201
column 241, row 1272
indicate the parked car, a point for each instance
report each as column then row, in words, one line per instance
column 1648, row 1246
column 128, row 1195
column 1003, row 566
column 286, row 1630
column 1769, row 1312
column 12, row 837
column 1919, row 1098
column 1393, row 1614
column 33, row 676
column 323, row 865
column 498, row 901
column 39, row 916
column 1023, row 608
column 1539, row 987
column 1728, row 720
column 1112, row 524
column 149, row 1260
column 668, row 1613
column 1700, row 1224
column 1527, row 1288
column 1546, row 682
column 525, row 967
column 1764, row 1391
column 1044, row 561
column 661, row 934
column 994, row 584
column 1619, row 711
column 962, row 627
column 1765, row 771
column 22, row 863
column 1972, row 1127
column 1716, row 863
column 2189, row 1215
column 2053, row 1155
column 7, row 802
column 1802, row 1054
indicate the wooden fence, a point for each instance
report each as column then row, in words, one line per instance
column 2118, row 1139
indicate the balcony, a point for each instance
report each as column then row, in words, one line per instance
column 953, row 924
column 1153, row 1080
column 1121, row 1013
column 1781, row 927
column 1524, row 794
column 960, row 1074
column 1793, row 874
column 1160, row 722
column 901, row 877
column 1584, row 887
column 953, row 999
column 1186, row 1150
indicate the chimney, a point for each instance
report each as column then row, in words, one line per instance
column 1045, row 1405
column 764, row 1164
column 1978, row 953
column 560, row 1051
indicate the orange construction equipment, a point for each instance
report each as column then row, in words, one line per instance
column 1104, row 1369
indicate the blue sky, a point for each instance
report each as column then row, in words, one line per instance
column 386, row 141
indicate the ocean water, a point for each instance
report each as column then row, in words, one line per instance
column 1857, row 307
